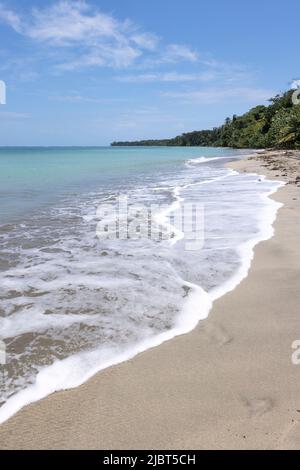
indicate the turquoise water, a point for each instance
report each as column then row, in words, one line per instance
column 75, row 299
column 33, row 177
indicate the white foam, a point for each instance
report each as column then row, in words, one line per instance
column 246, row 250
column 162, row 216
column 18, row 324
column 77, row 369
column 199, row 160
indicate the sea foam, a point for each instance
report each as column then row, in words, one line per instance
column 96, row 311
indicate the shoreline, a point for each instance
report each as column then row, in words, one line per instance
column 144, row 402
column 60, row 376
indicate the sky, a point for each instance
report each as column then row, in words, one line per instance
column 88, row 72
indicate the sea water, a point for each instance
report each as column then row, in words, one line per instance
column 73, row 303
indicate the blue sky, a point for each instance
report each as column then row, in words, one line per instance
column 89, row 72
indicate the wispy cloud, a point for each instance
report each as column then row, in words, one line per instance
column 145, row 117
column 77, row 98
column 104, row 55
column 171, row 54
column 217, row 95
column 146, row 40
column 177, row 52
column 20, row 69
column 10, row 18
column 166, row 77
column 68, row 22
column 93, row 38
column 13, row 116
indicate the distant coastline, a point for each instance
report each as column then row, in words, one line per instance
column 274, row 126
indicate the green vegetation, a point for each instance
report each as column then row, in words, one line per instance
column 276, row 125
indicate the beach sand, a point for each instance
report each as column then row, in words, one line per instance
column 230, row 384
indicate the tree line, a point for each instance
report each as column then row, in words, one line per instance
column 275, row 125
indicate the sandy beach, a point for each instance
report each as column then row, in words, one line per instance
column 230, row 384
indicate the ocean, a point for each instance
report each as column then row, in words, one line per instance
column 83, row 286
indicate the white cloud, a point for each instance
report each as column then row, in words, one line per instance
column 172, row 54
column 77, row 98
column 10, row 18
column 177, row 52
column 215, row 95
column 104, row 55
column 146, row 40
column 12, row 116
column 90, row 37
column 167, row 77
column 67, row 22
column 101, row 39
column 145, row 117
